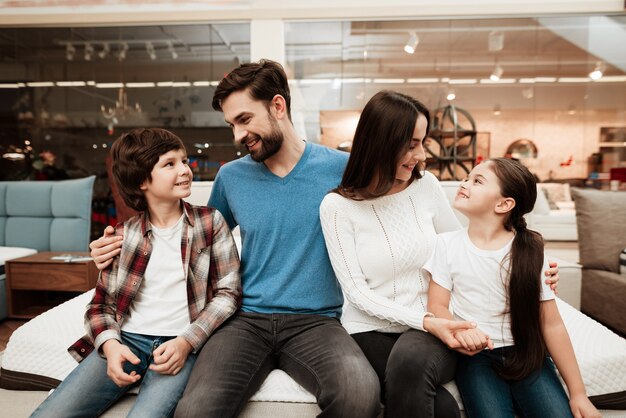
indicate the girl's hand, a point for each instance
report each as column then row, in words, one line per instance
column 582, row 407
column 553, row 277
column 170, row 357
column 473, row 340
column 445, row 329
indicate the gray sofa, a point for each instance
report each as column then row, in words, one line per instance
column 42, row 216
column 601, row 218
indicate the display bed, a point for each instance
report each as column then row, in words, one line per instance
column 36, row 360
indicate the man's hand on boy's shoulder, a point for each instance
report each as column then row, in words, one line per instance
column 117, row 354
column 170, row 357
column 106, row 248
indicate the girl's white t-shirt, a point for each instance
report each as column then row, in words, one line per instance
column 160, row 306
column 477, row 281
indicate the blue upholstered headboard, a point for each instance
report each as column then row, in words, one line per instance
column 46, row 215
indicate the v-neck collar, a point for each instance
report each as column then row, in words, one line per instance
column 294, row 171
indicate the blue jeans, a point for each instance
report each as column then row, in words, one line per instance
column 88, row 391
column 486, row 394
column 316, row 351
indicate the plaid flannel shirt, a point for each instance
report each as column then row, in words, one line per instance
column 211, row 265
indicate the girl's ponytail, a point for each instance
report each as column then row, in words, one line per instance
column 524, row 284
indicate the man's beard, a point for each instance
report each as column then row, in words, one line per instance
column 270, row 144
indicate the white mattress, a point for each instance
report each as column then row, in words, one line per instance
column 9, row 253
column 39, row 348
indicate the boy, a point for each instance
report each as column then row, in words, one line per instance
column 175, row 281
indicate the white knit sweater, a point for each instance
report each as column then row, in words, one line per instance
column 378, row 247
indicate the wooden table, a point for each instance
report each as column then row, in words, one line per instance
column 37, row 283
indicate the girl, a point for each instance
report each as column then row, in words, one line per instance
column 490, row 273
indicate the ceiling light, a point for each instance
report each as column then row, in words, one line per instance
column 497, row 72
column 422, row 80
column 150, row 50
column 496, row 41
column 598, row 71
column 571, row 110
column 170, row 46
column 121, row 54
column 528, row 93
column 88, row 51
column 70, row 51
column 451, row 95
column 411, row 44
column 105, row 50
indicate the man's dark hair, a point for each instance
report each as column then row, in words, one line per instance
column 135, row 154
column 264, row 80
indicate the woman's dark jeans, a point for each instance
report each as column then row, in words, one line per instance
column 411, row 367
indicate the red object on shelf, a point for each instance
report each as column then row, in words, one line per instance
column 618, row 174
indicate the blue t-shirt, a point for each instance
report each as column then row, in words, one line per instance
column 284, row 263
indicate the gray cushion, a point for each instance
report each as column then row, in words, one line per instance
column 601, row 219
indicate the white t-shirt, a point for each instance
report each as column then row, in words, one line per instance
column 476, row 278
column 378, row 247
column 160, row 306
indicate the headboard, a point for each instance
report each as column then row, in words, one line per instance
column 46, row 215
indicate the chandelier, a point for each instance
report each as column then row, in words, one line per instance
column 114, row 114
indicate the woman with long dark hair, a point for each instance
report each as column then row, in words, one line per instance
column 380, row 225
column 491, row 273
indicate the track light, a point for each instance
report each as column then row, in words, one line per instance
column 170, row 46
column 497, row 73
column 150, row 50
column 496, row 41
column 598, row 71
column 105, row 50
column 121, row 54
column 411, row 44
column 70, row 51
column 88, row 51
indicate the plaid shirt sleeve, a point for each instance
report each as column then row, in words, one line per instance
column 223, row 282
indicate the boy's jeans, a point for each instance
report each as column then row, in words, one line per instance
column 88, row 391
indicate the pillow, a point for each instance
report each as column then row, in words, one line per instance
column 558, row 192
column 550, row 200
column 601, row 220
column 622, row 262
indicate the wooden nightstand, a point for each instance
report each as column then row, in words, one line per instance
column 37, row 283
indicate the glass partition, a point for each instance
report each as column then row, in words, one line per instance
column 556, row 82
column 67, row 93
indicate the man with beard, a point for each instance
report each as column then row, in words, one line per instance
column 291, row 299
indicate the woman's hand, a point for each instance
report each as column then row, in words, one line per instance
column 445, row 329
column 105, row 248
column 582, row 407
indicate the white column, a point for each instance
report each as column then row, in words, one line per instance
column 267, row 40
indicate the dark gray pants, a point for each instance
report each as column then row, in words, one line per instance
column 314, row 350
column 411, row 367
